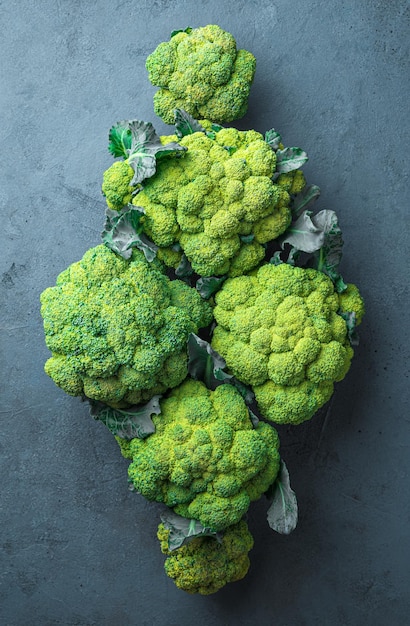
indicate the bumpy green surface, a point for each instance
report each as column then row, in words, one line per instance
column 205, row 565
column 116, row 185
column 218, row 191
column 203, row 73
column 118, row 329
column 205, row 460
column 280, row 332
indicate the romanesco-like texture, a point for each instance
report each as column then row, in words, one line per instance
column 116, row 185
column 205, row 565
column 219, row 190
column 118, row 329
column 280, row 332
column 205, row 459
column 202, row 72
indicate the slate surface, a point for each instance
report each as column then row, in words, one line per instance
column 77, row 547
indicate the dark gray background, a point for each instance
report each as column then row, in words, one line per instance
column 77, row 546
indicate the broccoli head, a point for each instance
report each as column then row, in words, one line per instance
column 205, row 459
column 279, row 330
column 201, row 71
column 205, row 565
column 116, row 186
column 218, row 201
column 118, row 329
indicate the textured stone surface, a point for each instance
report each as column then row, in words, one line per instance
column 77, row 547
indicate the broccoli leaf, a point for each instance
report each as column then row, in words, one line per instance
column 350, row 319
column 182, row 530
column 204, row 363
column 186, row 30
column 327, row 259
column 289, row 159
column 185, row 124
column 283, row 512
column 273, row 138
column 145, row 148
column 123, row 231
column 303, row 199
column 304, row 234
column 230, row 150
column 184, row 268
column 208, row 285
column 216, row 127
column 247, row 238
column 120, row 139
column 131, row 423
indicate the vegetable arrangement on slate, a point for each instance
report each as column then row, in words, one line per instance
column 212, row 310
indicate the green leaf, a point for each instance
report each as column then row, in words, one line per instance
column 216, row 127
column 131, row 423
column 303, row 199
column 230, row 150
column 304, row 234
column 186, row 30
column 120, row 139
column 273, row 138
column 182, row 530
column 145, row 148
column 185, row 124
column 328, row 258
column 247, row 238
column 184, row 268
column 208, row 285
column 205, row 364
column 283, row 512
column 290, row 159
column 123, row 231
column 351, row 322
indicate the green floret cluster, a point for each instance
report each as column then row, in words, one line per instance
column 116, row 185
column 205, row 460
column 205, row 564
column 118, row 329
column 280, row 332
column 201, row 71
column 219, row 191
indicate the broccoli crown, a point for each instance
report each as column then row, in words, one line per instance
column 351, row 301
column 205, row 459
column 220, row 190
column 280, row 332
column 202, row 72
column 116, row 185
column 118, row 329
column 205, row 565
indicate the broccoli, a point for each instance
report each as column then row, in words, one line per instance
column 118, row 329
column 117, row 186
column 205, row 565
column 279, row 331
column 205, row 459
column 200, row 70
column 218, row 201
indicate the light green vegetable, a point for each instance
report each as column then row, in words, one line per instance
column 280, row 332
column 118, row 329
column 205, row 459
column 201, row 71
column 205, row 565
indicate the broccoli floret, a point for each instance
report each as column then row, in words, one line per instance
column 116, row 185
column 205, row 565
column 208, row 199
column 279, row 330
column 205, row 459
column 350, row 300
column 118, row 329
column 202, row 72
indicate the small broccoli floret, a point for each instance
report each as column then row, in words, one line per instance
column 279, row 330
column 205, row 565
column 205, row 459
column 212, row 196
column 118, row 329
column 350, row 300
column 202, row 72
column 116, row 185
